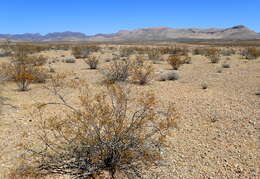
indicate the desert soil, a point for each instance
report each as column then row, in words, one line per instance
column 217, row 128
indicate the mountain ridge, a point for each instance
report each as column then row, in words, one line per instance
column 239, row 32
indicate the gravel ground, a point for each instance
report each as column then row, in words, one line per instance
column 217, row 130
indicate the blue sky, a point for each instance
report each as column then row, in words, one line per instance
column 108, row 16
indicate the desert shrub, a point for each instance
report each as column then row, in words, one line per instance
column 84, row 51
column 142, row 72
column 92, row 61
column 7, row 50
column 219, row 70
column 76, row 52
column 23, row 70
column 126, row 52
column 175, row 61
column 251, row 53
column 208, row 52
column 1, row 97
column 118, row 70
column 214, row 59
column 102, row 134
column 213, row 55
column 172, row 75
column 23, row 76
column 204, row 85
column 39, row 60
column 39, row 74
column 6, row 71
column 51, row 70
column 197, row 51
column 69, row 60
column 226, row 65
column 227, row 52
column 154, row 55
column 187, row 59
column 108, row 60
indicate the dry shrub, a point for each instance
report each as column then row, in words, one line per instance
column 108, row 131
column 126, row 51
column 187, row 59
column 208, row 52
column 7, row 50
column 198, row 51
column 227, row 52
column 251, row 53
column 213, row 54
column 117, row 71
column 142, row 72
column 23, row 70
column 154, row 55
column 175, row 61
column 76, row 52
column 38, row 60
column 84, row 51
column 92, row 61
column 23, row 76
column 214, row 59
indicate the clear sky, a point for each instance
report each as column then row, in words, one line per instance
column 109, row 16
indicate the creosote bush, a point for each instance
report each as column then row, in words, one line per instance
column 175, row 61
column 154, row 55
column 251, row 53
column 92, row 61
column 142, row 72
column 117, row 71
column 109, row 131
column 38, row 60
column 83, row 51
column 24, row 69
column 213, row 54
column 214, row 59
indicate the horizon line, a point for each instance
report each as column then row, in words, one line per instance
column 158, row 27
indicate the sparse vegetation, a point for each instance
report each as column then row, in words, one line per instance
column 251, row 53
column 175, row 61
column 226, row 65
column 173, row 75
column 214, row 59
column 84, row 51
column 92, row 61
column 24, row 69
column 69, row 60
column 187, row 60
column 204, row 85
column 142, row 72
column 117, row 71
column 154, row 55
column 82, row 132
column 102, row 134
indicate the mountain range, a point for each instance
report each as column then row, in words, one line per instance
column 239, row 32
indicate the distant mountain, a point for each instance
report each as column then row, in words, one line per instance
column 144, row 34
column 168, row 34
column 55, row 36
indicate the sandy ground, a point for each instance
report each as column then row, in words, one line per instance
column 217, row 129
